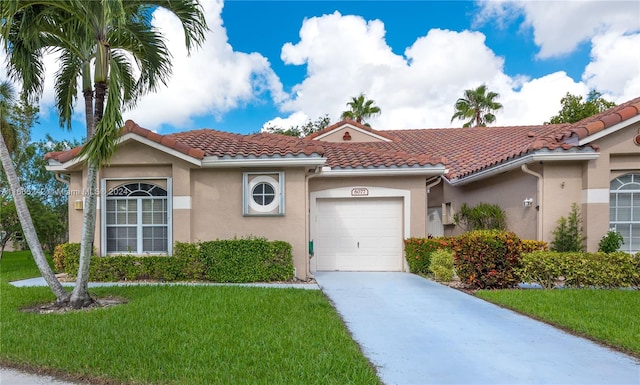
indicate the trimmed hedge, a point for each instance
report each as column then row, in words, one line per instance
column 442, row 265
column 236, row 260
column 487, row 259
column 418, row 252
column 577, row 269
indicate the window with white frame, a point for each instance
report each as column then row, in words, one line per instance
column 624, row 210
column 137, row 219
column 263, row 193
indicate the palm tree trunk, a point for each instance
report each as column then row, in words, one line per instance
column 80, row 296
column 62, row 296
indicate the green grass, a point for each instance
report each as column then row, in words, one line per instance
column 182, row 335
column 607, row 316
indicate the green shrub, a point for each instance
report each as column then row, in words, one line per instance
column 576, row 269
column 610, row 242
column 541, row 267
column 442, row 265
column 238, row 260
column 418, row 252
column 529, row 246
column 189, row 264
column 280, row 262
column 568, row 234
column 484, row 216
column 66, row 257
column 487, row 259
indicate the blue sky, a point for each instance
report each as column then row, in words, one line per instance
column 286, row 62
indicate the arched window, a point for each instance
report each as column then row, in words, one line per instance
column 136, row 219
column 624, row 207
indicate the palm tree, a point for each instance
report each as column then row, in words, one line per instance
column 97, row 42
column 7, row 98
column 360, row 109
column 477, row 107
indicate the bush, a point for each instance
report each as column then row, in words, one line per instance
column 577, row 269
column 484, row 216
column 487, row 259
column 610, row 242
column 529, row 246
column 189, row 263
column 418, row 252
column 568, row 234
column 442, row 265
column 66, row 257
column 238, row 260
column 542, row 267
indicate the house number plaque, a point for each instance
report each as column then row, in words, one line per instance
column 359, row 192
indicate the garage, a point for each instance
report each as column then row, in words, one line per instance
column 359, row 234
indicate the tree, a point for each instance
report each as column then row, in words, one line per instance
column 6, row 100
column 477, row 107
column 574, row 109
column 361, row 109
column 568, row 235
column 9, row 224
column 301, row 131
column 98, row 42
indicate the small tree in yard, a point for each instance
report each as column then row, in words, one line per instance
column 9, row 224
column 610, row 242
column 568, row 235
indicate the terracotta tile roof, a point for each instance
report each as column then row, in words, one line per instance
column 462, row 150
column 201, row 143
column 603, row 120
column 362, row 156
column 468, row 150
column 228, row 145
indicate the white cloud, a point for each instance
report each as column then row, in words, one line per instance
column 347, row 55
column 560, row 26
column 212, row 81
column 615, row 66
column 297, row 118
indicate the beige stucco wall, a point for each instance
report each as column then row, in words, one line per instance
column 356, row 136
column 619, row 155
column 217, row 200
column 207, row 202
column 562, row 188
column 507, row 190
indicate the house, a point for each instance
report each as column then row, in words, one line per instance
column 346, row 197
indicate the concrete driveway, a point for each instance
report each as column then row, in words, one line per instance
column 416, row 331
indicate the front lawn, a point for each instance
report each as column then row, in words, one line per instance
column 182, row 335
column 607, row 316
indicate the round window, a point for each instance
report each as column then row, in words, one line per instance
column 263, row 193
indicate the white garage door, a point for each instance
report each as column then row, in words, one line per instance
column 359, row 234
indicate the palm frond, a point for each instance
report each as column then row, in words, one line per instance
column 66, row 86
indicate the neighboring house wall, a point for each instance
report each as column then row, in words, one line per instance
column 619, row 155
column 507, row 190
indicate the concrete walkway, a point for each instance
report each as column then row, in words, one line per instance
column 416, row 331
column 16, row 377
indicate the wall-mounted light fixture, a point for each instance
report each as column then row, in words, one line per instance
column 78, row 205
column 527, row 202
